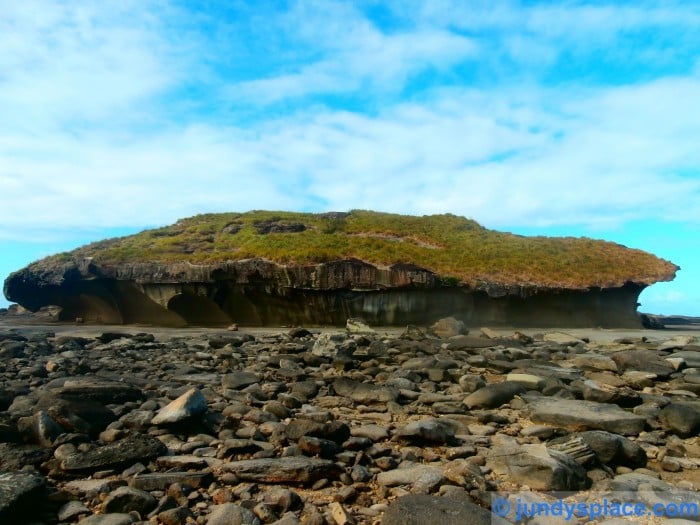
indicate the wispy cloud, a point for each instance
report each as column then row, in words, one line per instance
column 350, row 53
column 137, row 113
column 65, row 63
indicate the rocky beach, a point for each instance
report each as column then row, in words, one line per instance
column 107, row 425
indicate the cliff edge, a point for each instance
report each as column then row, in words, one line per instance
column 284, row 268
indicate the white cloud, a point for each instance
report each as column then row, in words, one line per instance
column 90, row 132
column 67, row 63
column 502, row 158
column 552, row 20
column 366, row 59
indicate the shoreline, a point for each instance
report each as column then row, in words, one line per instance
column 94, row 330
column 145, row 425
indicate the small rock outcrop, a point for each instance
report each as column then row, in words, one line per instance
column 265, row 268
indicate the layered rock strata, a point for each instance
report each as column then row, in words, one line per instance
column 266, row 268
column 259, row 292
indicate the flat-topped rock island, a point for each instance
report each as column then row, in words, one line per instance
column 283, row 268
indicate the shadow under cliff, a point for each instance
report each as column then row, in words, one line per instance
column 110, row 301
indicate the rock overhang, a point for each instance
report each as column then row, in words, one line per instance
column 236, row 285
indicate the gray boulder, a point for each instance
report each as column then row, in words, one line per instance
column 613, row 449
column 421, row 478
column 295, row 469
column 356, row 325
column 682, row 418
column 419, row 509
column 427, row 430
column 231, row 514
column 465, row 342
column 21, row 494
column 136, row 447
column 127, row 499
column 118, row 518
column 536, row 466
column 642, row 361
column 100, row 390
column 364, row 392
column 327, row 345
column 494, row 395
column 239, row 379
column 583, row 415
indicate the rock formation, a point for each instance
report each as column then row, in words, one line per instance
column 209, row 427
column 290, row 269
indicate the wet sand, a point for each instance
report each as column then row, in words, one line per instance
column 602, row 335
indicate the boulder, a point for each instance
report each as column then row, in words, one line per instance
column 427, row 431
column 133, row 448
column 231, row 514
column 21, row 495
column 39, row 428
column 364, row 392
column 117, row 518
column 682, row 418
column 494, row 395
column 466, row 342
column 327, row 344
column 642, row 361
column 127, row 499
column 562, row 338
column 357, row 325
column 536, row 466
column 189, row 405
column 448, row 327
column 239, row 379
column 425, row 476
column 613, row 449
column 100, row 390
column 584, row 415
column 295, row 470
column 419, row 509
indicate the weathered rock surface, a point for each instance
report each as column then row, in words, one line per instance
column 283, row 470
column 494, row 395
column 117, row 518
column 536, row 466
column 129, row 450
column 583, row 415
column 189, row 405
column 21, row 493
column 420, row 509
column 427, row 430
column 682, row 418
column 274, row 433
column 172, row 285
column 614, row 449
column 230, row 514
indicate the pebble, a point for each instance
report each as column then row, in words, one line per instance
column 220, row 428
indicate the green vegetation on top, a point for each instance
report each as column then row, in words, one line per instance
column 456, row 248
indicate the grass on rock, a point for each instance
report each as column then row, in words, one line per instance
column 458, row 249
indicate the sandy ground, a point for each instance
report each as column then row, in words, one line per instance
column 90, row 330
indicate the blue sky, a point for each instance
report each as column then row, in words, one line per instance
column 555, row 118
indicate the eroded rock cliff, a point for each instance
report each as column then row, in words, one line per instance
column 415, row 277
